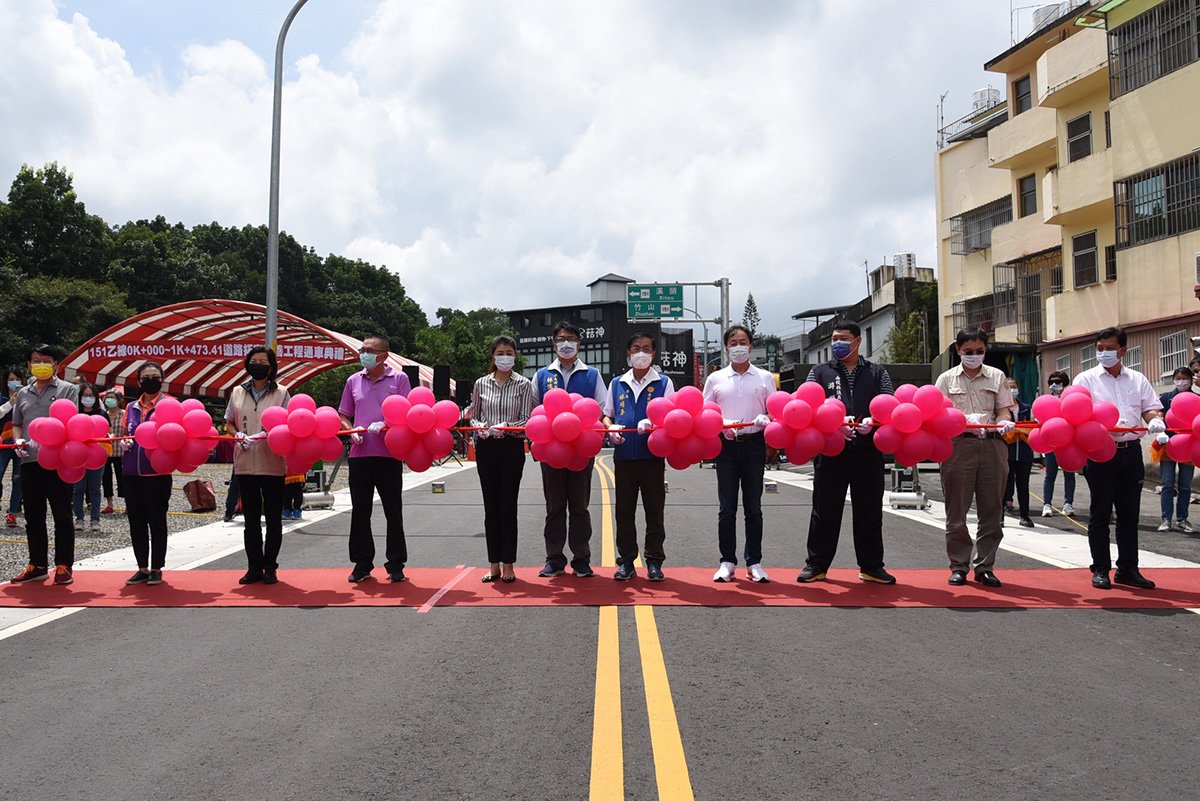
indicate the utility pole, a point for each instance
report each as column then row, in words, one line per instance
column 725, row 318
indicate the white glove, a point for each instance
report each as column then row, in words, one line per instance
column 761, row 422
column 976, row 419
column 483, row 433
column 356, row 438
column 645, row 426
column 729, row 433
column 1156, row 426
column 22, row 449
column 496, row 431
column 1005, row 427
column 376, row 427
column 865, row 426
column 848, row 428
column 1162, row 439
column 614, row 434
column 243, row 440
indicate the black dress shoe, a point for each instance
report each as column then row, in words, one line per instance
column 359, row 573
column 987, row 578
column 251, row 577
column 1133, row 578
column 957, row 578
column 1026, row 522
column 269, row 576
column 396, row 575
column 1100, row 580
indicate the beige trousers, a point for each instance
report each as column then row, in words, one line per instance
column 977, row 470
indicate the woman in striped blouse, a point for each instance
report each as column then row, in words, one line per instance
column 502, row 398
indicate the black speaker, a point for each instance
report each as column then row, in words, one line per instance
column 462, row 393
column 414, row 375
column 441, row 382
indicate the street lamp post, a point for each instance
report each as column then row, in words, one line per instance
column 273, row 215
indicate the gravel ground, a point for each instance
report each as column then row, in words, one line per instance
column 114, row 530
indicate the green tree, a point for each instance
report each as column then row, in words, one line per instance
column 750, row 317
column 909, row 342
column 326, row 388
column 462, row 340
column 45, row 229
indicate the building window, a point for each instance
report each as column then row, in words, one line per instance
column 1133, row 358
column 1056, row 280
column 1087, row 357
column 1079, row 138
column 591, row 314
column 1174, row 350
column 1110, row 263
column 870, row 341
column 1083, row 256
column 1160, row 202
column 1107, row 130
column 1022, row 95
column 1027, row 195
column 1063, row 364
column 1154, row 44
column 972, row 230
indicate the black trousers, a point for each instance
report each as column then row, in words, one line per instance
column 293, row 496
column 645, row 476
column 500, row 463
column 147, row 499
column 568, row 490
column 368, row 474
column 262, row 496
column 1018, row 482
column 40, row 486
column 112, row 470
column 859, row 469
column 741, row 466
column 1115, row 483
column 232, row 495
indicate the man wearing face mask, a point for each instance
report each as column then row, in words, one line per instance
column 372, row 467
column 1057, row 382
column 978, row 468
column 40, row 486
column 741, row 390
column 1176, row 479
column 1118, row 482
column 855, row 382
column 568, row 492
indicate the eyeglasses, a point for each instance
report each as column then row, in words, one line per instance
column 566, row 339
column 972, row 353
column 636, row 349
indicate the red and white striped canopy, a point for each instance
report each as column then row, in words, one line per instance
column 201, row 345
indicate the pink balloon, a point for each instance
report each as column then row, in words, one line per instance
column 907, row 418
column 566, row 427
column 307, row 451
column 829, row 417
column 929, row 399
column 1195, row 455
column 197, row 422
column 776, row 401
column 557, row 401
column 661, row 443
column 690, row 450
column 942, row 449
column 332, row 448
column 1075, row 389
column 809, row 440
column 835, row 443
column 577, row 463
column 421, row 396
column 919, row 445
column 690, row 399
column 882, row 407
column 1195, row 425
column 51, row 431
column 63, row 410
column 1072, row 458
column 1174, row 420
column 195, row 451
column 163, row 461
column 888, row 439
column 1077, row 409
column 797, row 414
column 168, row 410
column 798, row 456
column 1179, row 447
column 191, row 403
column 328, row 423
column 446, row 414
column 171, row 436
column 146, row 435
column 538, row 429
column 1106, row 414
column 1046, row 407
column 293, row 466
column 71, row 475
column 656, row 410
column 50, row 456
column 588, row 443
column 280, row 441
column 905, row 393
column 79, row 427
column 1090, row 436
column 712, row 448
column 587, row 410
column 274, row 416
column 100, row 425
column 399, row 441
column 421, row 418
column 708, row 424
column 395, row 409
column 1186, row 404
column 302, row 401
column 1056, row 433
column 678, row 423
column 947, row 423
column 678, row 462
column 1036, row 442
column 301, row 422
column 1106, row 451
column 779, row 436
column 811, row 393
column 419, row 459
column 716, row 407
column 439, row 442
column 558, row 453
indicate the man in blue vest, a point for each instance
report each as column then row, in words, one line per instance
column 636, row 468
column 568, row 491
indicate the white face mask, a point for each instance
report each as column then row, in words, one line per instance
column 1108, row 358
column 640, row 361
column 1016, row 392
column 1056, row 389
column 566, row 350
column 973, row 362
column 1183, row 385
column 739, row 354
column 505, row 363
column 88, row 402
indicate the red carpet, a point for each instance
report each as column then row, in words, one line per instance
column 685, row 586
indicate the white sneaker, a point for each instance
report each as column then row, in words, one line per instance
column 1164, row 525
column 1186, row 527
column 1047, row 510
column 1068, row 509
column 756, row 573
column 95, row 525
column 724, row 572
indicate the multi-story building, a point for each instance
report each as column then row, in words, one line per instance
column 1074, row 203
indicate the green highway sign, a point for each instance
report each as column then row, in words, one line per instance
column 652, row 301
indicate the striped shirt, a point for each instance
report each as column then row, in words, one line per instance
column 493, row 403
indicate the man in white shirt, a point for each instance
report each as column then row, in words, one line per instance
column 741, row 390
column 1118, row 482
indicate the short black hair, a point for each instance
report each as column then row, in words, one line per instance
column 1060, row 375
column 970, row 335
column 257, row 349
column 1186, row 371
column 147, row 365
column 386, row 345
column 844, row 324
column 42, row 349
column 19, row 372
column 570, row 328
column 1112, row 332
column 642, row 335
column 733, row 329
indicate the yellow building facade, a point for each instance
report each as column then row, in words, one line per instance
column 1074, row 203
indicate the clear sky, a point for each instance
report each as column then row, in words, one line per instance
column 507, row 153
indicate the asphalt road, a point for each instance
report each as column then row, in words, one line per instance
column 479, row 702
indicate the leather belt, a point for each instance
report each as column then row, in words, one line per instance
column 986, row 435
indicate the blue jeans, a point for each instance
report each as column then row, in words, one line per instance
column 89, row 484
column 14, row 500
column 741, row 466
column 1176, row 485
column 1048, row 483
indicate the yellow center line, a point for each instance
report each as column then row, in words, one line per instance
column 1033, row 494
column 608, row 757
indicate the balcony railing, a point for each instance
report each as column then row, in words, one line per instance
column 972, row 230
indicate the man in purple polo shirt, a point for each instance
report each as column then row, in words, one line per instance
column 371, row 464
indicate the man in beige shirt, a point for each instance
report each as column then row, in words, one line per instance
column 978, row 468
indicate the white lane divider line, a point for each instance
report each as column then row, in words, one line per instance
column 449, row 585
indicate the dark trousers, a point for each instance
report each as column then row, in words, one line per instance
column 568, row 491
column 147, row 499
column 368, row 474
column 1115, row 483
column 646, row 476
column 859, row 469
column 293, row 496
column 232, row 495
column 262, row 496
column 500, row 463
column 741, row 466
column 14, row 498
column 1018, row 483
column 112, row 470
column 40, row 486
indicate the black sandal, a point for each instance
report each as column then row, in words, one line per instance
column 490, row 577
column 508, row 579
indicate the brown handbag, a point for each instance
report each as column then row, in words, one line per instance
column 200, row 495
